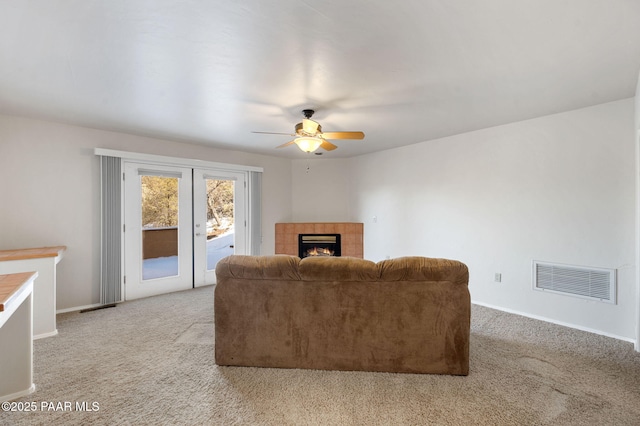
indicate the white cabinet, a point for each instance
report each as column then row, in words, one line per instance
column 42, row 260
column 16, row 335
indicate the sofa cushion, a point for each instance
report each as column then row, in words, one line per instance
column 316, row 268
column 279, row 267
column 415, row 268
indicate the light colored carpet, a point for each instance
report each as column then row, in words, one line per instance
column 150, row 362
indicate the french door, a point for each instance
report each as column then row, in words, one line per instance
column 219, row 220
column 179, row 222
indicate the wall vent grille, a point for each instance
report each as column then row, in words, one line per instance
column 579, row 281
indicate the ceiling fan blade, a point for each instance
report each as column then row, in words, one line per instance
column 286, row 144
column 343, row 135
column 275, row 133
column 327, row 145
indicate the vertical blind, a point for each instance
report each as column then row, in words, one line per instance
column 255, row 212
column 111, row 245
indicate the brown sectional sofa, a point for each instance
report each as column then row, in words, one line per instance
column 409, row 315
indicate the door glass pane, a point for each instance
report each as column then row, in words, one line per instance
column 220, row 220
column 159, row 226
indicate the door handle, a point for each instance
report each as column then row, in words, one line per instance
column 231, row 246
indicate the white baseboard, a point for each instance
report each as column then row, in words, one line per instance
column 77, row 308
column 17, row 395
column 43, row 335
column 553, row 321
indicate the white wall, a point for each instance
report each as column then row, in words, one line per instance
column 320, row 190
column 50, row 193
column 559, row 188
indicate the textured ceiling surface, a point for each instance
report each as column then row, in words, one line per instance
column 212, row 71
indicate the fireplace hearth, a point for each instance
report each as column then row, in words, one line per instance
column 319, row 245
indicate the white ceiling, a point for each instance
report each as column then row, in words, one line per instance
column 211, row 71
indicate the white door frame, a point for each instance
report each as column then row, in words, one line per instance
column 203, row 276
column 637, row 112
column 135, row 286
column 129, row 156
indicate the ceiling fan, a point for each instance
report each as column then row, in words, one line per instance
column 309, row 135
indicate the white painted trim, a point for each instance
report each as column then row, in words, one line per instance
column 78, row 308
column 174, row 161
column 43, row 335
column 564, row 324
column 636, row 132
column 97, row 305
column 20, row 394
column 637, row 256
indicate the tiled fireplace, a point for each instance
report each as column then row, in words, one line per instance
column 288, row 237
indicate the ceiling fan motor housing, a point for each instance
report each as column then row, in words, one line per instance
column 301, row 132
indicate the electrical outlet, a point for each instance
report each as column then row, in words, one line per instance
column 497, row 277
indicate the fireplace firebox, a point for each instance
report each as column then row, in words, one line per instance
column 318, row 245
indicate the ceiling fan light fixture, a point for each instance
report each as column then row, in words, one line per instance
column 308, row 144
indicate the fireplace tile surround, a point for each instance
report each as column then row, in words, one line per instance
column 351, row 236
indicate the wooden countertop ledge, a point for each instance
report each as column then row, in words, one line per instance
column 11, row 284
column 31, row 253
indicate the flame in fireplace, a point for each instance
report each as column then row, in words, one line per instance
column 320, row 251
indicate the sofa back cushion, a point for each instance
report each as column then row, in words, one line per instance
column 415, row 268
column 287, row 268
column 279, row 267
column 337, row 269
